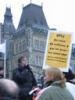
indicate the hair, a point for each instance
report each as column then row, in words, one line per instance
column 20, row 59
column 8, row 89
column 56, row 74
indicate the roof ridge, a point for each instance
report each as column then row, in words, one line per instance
column 32, row 4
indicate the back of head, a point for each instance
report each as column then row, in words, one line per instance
column 8, row 89
column 55, row 74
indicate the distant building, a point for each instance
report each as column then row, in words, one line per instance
column 7, row 30
column 29, row 39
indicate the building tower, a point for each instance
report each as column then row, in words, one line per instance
column 9, row 28
column 8, row 32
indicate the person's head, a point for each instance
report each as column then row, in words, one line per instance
column 22, row 61
column 8, row 90
column 69, row 75
column 54, row 74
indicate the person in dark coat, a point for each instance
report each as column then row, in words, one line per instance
column 24, row 77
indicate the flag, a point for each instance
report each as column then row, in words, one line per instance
column 3, row 47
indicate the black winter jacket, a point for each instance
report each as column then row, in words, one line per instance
column 23, row 76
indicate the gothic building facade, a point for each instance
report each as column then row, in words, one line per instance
column 28, row 40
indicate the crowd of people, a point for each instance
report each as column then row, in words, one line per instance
column 23, row 81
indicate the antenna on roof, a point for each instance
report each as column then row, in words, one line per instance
column 30, row 1
column 42, row 4
column 6, row 5
column 22, row 5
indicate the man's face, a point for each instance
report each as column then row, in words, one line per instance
column 24, row 62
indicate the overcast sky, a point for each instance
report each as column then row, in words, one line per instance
column 59, row 14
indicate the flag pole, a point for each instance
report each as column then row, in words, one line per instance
column 5, row 61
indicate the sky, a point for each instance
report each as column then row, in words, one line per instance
column 60, row 14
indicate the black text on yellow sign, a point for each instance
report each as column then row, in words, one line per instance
column 58, row 49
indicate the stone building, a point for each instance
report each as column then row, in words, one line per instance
column 29, row 39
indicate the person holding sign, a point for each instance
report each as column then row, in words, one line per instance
column 57, row 89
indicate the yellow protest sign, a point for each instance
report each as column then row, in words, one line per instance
column 57, row 49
